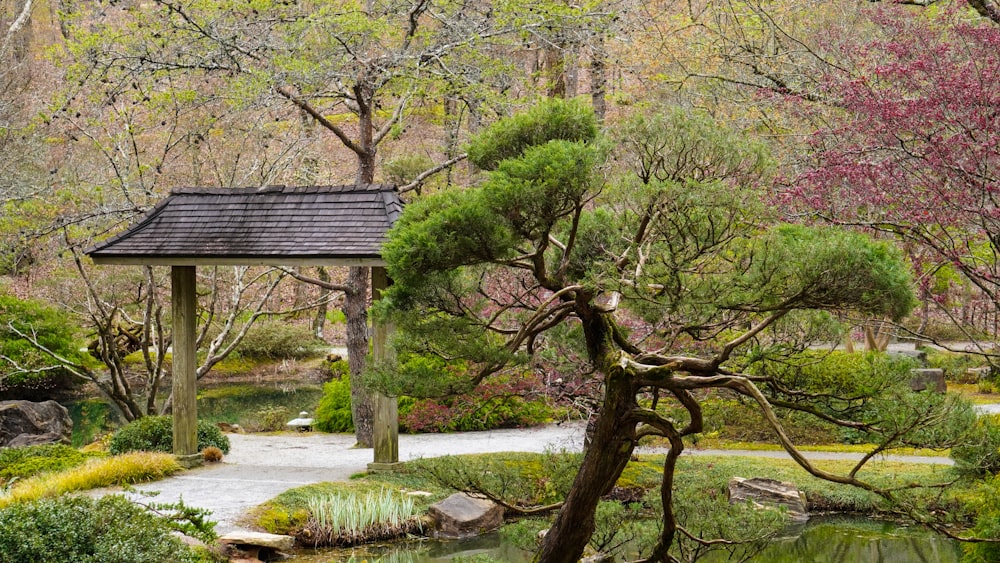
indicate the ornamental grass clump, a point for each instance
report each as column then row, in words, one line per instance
column 126, row 469
column 345, row 519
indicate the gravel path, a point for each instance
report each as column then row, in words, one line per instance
column 259, row 467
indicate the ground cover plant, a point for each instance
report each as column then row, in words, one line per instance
column 19, row 463
column 72, row 529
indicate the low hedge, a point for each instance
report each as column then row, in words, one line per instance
column 155, row 434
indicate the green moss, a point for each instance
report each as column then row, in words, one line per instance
column 236, row 365
column 644, row 473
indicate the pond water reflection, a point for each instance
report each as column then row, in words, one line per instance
column 831, row 539
column 838, row 539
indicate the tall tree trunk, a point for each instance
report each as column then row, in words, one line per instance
column 553, row 72
column 366, row 133
column 598, row 77
column 319, row 321
column 356, row 311
column 609, row 450
column 356, row 300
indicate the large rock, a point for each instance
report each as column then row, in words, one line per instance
column 769, row 493
column 463, row 516
column 24, row 423
column 924, row 379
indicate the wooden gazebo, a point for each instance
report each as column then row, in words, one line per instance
column 277, row 226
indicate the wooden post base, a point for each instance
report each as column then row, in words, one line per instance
column 190, row 461
column 377, row 467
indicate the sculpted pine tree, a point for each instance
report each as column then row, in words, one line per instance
column 675, row 239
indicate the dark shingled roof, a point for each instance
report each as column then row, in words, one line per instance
column 272, row 225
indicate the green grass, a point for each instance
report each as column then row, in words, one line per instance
column 714, row 472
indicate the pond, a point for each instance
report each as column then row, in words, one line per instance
column 833, row 539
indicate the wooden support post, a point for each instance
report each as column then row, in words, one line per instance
column 385, row 432
column 184, row 362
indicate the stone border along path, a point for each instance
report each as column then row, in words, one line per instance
column 259, row 467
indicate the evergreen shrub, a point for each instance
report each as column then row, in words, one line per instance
column 155, row 434
column 979, row 455
column 955, row 365
column 503, row 401
column 334, row 411
column 72, row 529
column 270, row 418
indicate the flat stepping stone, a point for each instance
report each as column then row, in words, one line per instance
column 248, row 541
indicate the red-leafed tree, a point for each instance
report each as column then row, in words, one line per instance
column 915, row 150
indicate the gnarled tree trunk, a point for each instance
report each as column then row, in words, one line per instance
column 609, row 451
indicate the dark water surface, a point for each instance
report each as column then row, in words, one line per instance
column 831, row 539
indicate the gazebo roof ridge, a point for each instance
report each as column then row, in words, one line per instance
column 282, row 188
column 286, row 225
